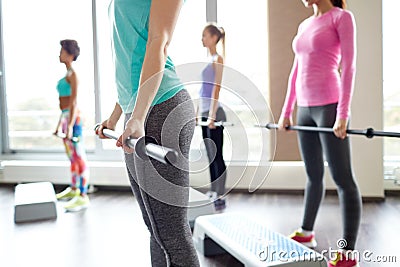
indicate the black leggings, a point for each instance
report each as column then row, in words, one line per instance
column 337, row 153
column 214, row 141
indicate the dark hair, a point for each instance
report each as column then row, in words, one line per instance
column 339, row 3
column 71, row 46
column 219, row 32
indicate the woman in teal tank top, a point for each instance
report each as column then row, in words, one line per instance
column 155, row 104
column 70, row 124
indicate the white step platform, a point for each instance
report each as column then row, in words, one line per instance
column 199, row 205
column 250, row 242
column 34, row 201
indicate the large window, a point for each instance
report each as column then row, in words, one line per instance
column 245, row 25
column 32, row 31
column 391, row 85
column 31, row 37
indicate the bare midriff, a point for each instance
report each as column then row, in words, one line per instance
column 64, row 102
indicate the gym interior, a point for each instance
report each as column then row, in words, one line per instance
column 266, row 177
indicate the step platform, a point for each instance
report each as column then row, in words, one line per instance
column 250, row 242
column 34, row 201
column 199, row 205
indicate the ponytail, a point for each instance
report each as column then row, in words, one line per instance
column 339, row 3
column 222, row 39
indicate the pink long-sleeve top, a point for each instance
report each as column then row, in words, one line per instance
column 322, row 46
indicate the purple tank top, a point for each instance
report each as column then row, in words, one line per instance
column 207, row 86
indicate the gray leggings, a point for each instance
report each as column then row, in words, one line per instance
column 162, row 191
column 337, row 154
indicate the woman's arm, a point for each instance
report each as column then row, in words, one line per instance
column 114, row 117
column 346, row 30
column 347, row 37
column 111, row 122
column 58, row 125
column 197, row 113
column 287, row 109
column 163, row 17
column 73, row 82
column 219, row 68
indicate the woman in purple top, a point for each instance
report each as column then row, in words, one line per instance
column 322, row 81
column 211, row 111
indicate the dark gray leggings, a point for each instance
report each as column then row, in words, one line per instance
column 162, row 191
column 337, row 153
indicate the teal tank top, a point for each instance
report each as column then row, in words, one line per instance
column 63, row 87
column 130, row 20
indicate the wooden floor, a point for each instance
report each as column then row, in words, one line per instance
column 111, row 232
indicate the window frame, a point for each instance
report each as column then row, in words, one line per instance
column 3, row 106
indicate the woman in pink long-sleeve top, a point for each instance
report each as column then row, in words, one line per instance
column 322, row 81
